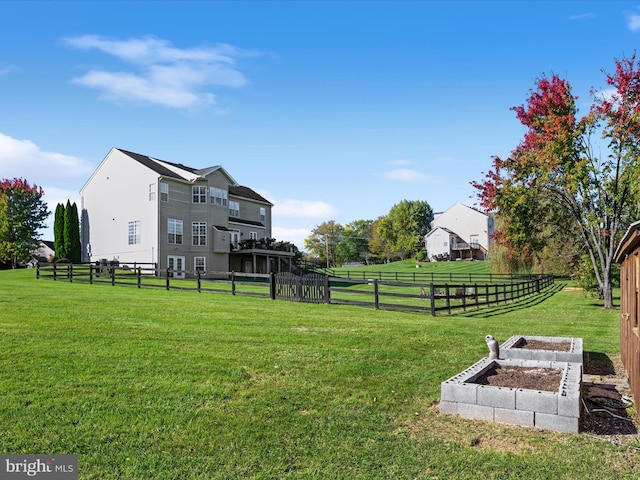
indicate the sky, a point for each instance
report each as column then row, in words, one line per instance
column 332, row 110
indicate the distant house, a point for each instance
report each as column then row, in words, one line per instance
column 459, row 233
column 43, row 253
column 137, row 208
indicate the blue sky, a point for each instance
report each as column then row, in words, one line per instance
column 332, row 110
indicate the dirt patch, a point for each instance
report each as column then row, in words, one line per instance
column 605, row 393
column 547, row 379
column 540, row 345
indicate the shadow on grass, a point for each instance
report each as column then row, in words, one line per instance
column 517, row 305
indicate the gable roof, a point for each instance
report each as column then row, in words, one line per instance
column 160, row 166
column 246, row 192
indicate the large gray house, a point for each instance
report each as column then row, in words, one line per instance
column 137, row 208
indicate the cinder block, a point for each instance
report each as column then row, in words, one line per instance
column 449, row 408
column 476, row 412
column 557, row 423
column 535, row 401
column 459, row 392
column 514, row 417
column 569, row 405
column 496, row 396
column 536, row 363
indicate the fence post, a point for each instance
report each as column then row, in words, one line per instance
column 432, row 297
column 327, row 289
column 272, row 286
column 38, row 271
column 376, row 304
column 464, row 298
column 139, row 269
column 233, row 282
column 70, row 272
column 90, row 274
column 168, row 275
column 446, row 290
column 55, row 271
column 112, row 271
column 199, row 286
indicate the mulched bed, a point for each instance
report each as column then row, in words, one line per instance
column 540, row 345
column 547, row 379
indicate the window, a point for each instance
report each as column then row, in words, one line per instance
column 199, row 264
column 199, row 194
column 134, row 232
column 174, row 228
column 253, row 235
column 164, row 192
column 263, row 214
column 218, row 196
column 234, row 209
column 152, row 192
column 199, row 233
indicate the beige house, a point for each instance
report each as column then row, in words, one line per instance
column 137, row 208
column 459, row 233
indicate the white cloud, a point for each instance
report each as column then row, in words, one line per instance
column 581, row 16
column 633, row 22
column 304, row 209
column 25, row 159
column 7, row 70
column 404, row 175
column 293, row 235
column 162, row 75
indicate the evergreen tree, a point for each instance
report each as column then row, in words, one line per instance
column 72, row 233
column 58, row 232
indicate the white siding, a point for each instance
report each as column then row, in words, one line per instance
column 117, row 193
column 466, row 223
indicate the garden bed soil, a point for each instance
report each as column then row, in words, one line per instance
column 540, row 345
column 545, row 379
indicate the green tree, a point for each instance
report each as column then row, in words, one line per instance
column 404, row 227
column 322, row 242
column 22, row 214
column 58, row 232
column 353, row 245
column 72, row 233
column 557, row 168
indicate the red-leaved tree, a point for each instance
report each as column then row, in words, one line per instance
column 22, row 214
column 556, row 175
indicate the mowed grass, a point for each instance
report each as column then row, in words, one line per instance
column 150, row 384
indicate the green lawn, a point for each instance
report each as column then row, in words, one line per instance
column 155, row 384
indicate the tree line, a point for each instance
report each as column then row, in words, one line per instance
column 397, row 235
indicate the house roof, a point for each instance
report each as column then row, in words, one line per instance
column 246, row 192
column 157, row 165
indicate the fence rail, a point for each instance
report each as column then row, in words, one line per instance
column 428, row 297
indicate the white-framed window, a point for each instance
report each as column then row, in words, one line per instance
column 198, row 233
column 218, row 196
column 253, row 235
column 134, row 232
column 200, row 264
column 152, row 192
column 263, row 214
column 234, row 208
column 474, row 241
column 164, row 192
column 199, row 194
column 174, row 229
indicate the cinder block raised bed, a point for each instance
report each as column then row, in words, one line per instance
column 566, row 349
column 553, row 410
